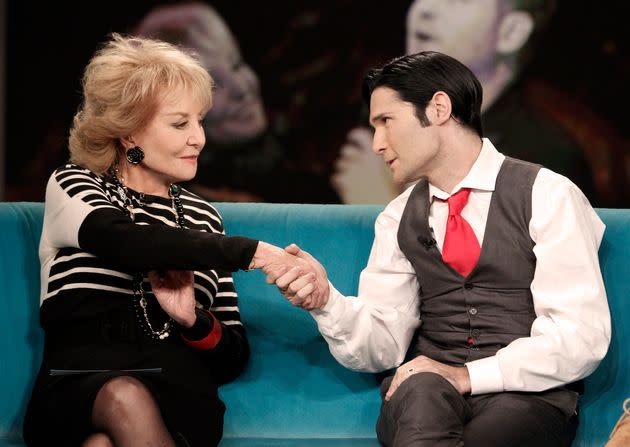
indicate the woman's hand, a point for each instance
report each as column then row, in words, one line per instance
column 270, row 258
column 308, row 290
column 295, row 271
column 175, row 293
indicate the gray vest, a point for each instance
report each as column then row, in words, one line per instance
column 468, row 318
column 465, row 319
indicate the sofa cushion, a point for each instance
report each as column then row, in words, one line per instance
column 293, row 387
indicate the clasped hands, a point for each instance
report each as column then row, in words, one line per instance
column 299, row 276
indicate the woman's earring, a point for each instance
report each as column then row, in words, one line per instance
column 134, row 155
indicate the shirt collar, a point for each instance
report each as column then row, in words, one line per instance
column 482, row 175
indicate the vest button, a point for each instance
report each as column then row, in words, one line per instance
column 468, row 286
column 475, row 333
column 472, row 311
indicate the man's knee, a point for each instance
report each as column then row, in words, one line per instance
column 424, row 394
column 430, row 381
column 425, row 410
column 421, row 385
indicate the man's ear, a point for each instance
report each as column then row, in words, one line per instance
column 514, row 31
column 442, row 108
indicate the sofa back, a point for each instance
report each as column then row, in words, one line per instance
column 21, row 338
column 292, row 387
column 609, row 385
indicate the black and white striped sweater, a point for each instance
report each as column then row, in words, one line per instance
column 90, row 249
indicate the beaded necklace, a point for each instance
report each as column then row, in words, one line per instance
column 140, row 301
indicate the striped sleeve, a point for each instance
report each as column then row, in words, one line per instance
column 71, row 194
column 225, row 305
column 219, row 336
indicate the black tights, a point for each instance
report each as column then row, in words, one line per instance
column 126, row 414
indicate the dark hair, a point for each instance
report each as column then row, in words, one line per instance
column 417, row 77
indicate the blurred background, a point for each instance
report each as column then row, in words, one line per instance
column 289, row 124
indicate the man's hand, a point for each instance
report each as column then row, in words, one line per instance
column 175, row 293
column 276, row 262
column 456, row 375
column 307, row 289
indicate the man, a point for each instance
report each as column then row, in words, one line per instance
column 483, row 285
column 494, row 39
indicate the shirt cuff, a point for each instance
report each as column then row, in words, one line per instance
column 333, row 307
column 485, row 376
column 205, row 334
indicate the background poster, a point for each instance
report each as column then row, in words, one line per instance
column 290, row 74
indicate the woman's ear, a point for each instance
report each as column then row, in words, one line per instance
column 514, row 31
column 126, row 142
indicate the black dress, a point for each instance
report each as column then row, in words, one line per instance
column 94, row 328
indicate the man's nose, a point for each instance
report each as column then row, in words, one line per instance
column 378, row 142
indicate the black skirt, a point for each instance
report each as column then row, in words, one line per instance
column 60, row 409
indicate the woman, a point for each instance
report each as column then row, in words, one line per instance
column 138, row 304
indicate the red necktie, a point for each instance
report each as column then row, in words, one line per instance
column 461, row 247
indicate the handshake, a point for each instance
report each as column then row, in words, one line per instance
column 298, row 275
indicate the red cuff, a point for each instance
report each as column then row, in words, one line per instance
column 210, row 340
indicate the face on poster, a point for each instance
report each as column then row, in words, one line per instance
column 287, row 78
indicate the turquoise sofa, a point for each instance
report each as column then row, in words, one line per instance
column 293, row 392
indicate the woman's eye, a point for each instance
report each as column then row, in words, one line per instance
column 181, row 125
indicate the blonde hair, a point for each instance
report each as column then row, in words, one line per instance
column 122, row 87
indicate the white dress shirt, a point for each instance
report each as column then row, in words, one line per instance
column 571, row 332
